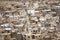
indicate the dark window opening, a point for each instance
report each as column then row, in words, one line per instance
column 12, row 4
column 36, row 30
column 36, row 36
column 33, row 37
column 9, row 8
column 33, row 30
column 28, row 36
column 54, row 15
column 53, row 10
column 17, row 6
column 39, row 36
column 48, row 25
column 8, row 31
column 24, row 35
column 3, row 32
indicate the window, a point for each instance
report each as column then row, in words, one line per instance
column 33, row 37
column 39, row 36
column 33, row 30
column 28, row 36
column 36, row 31
column 17, row 6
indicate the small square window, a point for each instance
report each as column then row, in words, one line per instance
column 28, row 36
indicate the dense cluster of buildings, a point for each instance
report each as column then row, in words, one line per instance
column 30, row 20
